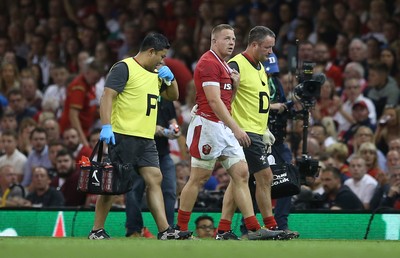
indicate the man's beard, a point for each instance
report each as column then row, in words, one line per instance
column 67, row 174
column 73, row 147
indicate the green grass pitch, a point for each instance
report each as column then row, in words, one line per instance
column 43, row 247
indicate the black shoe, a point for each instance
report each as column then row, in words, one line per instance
column 174, row 234
column 228, row 235
column 99, row 234
column 291, row 234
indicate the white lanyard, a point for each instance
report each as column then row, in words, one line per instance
column 223, row 63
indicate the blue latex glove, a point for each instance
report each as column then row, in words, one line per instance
column 107, row 134
column 166, row 74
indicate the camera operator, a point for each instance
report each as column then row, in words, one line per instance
column 278, row 116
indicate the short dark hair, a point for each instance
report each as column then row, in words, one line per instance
column 335, row 171
column 258, row 33
column 55, row 143
column 38, row 130
column 14, row 92
column 203, row 217
column 65, row 152
column 154, row 40
column 9, row 114
column 379, row 67
column 10, row 133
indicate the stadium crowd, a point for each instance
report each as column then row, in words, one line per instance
column 55, row 54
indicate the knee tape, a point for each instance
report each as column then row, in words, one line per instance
column 205, row 164
column 229, row 162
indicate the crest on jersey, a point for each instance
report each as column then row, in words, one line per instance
column 206, row 149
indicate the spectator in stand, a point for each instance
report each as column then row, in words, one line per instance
column 17, row 103
column 67, row 31
column 305, row 12
column 383, row 89
column 285, row 16
column 55, row 94
column 131, row 42
column 11, row 57
column 393, row 159
column 11, row 193
column 31, row 93
column 358, row 51
column 67, row 178
column 364, row 134
column 80, row 109
column 392, row 198
column 42, row 194
column 104, row 55
column 339, row 153
column 12, row 156
column 368, row 152
column 204, row 19
column 24, row 133
column 323, row 62
column 373, row 50
column 54, row 147
column 88, row 37
column 388, row 57
column 36, row 70
column 83, row 57
column 344, row 117
column 360, row 117
column 96, row 22
column 72, row 49
column 361, row 183
column 9, row 77
column 391, row 32
column 319, row 132
column 52, row 54
column 37, row 56
column 5, row 46
column 341, row 51
column 205, row 227
column 354, row 70
column 388, row 194
column 340, row 9
column 106, row 9
column 222, row 177
column 75, row 145
column 377, row 15
column 8, row 121
column 305, row 52
column 388, row 127
column 38, row 156
column 328, row 102
column 336, row 196
column 15, row 34
column 351, row 25
column 394, row 144
column 94, row 137
column 52, row 129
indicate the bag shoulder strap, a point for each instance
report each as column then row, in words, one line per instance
column 99, row 149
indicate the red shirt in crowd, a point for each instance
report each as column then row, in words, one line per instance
column 81, row 96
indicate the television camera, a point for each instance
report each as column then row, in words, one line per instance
column 307, row 92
